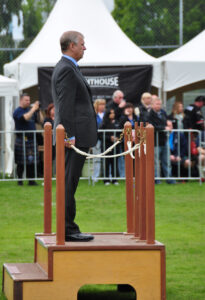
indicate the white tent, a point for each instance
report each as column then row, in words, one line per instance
column 184, row 66
column 8, row 100
column 106, row 43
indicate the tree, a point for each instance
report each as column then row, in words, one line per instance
column 8, row 8
column 194, row 18
column 35, row 13
column 156, row 22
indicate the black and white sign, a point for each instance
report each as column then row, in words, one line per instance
column 132, row 80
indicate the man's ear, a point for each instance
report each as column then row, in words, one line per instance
column 72, row 45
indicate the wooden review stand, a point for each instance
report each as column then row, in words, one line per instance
column 61, row 268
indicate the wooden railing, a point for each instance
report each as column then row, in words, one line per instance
column 139, row 183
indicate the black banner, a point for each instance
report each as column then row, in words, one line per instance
column 132, row 80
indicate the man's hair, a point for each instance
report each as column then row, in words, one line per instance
column 155, row 98
column 69, row 37
column 24, row 95
column 116, row 93
column 200, row 99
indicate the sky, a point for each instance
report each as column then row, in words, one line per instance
column 109, row 4
column 17, row 30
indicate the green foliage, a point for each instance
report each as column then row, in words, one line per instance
column 7, row 8
column 194, row 18
column 35, row 13
column 32, row 20
column 155, row 22
column 6, row 56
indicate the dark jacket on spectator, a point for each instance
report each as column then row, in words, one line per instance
column 159, row 121
column 144, row 113
column 125, row 119
column 193, row 117
column 116, row 108
column 108, row 135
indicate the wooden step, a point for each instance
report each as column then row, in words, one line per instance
column 111, row 258
column 26, row 272
column 14, row 275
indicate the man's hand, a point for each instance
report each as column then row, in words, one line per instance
column 114, row 138
column 68, row 143
column 122, row 104
column 27, row 116
column 35, row 106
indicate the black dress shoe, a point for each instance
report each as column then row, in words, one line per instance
column 79, row 237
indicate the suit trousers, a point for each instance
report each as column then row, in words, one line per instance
column 73, row 167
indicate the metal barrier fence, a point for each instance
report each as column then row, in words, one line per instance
column 186, row 166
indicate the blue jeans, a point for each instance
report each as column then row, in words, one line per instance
column 162, row 154
column 96, row 161
column 121, row 163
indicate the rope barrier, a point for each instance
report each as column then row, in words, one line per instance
column 101, row 155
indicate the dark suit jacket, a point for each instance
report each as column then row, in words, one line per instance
column 159, row 124
column 73, row 104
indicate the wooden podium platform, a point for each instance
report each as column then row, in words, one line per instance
column 134, row 258
column 60, row 271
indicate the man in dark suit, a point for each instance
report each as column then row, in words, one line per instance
column 74, row 110
column 158, row 118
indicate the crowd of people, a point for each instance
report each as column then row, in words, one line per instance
column 176, row 152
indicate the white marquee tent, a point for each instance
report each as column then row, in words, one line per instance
column 8, row 100
column 184, row 66
column 106, row 44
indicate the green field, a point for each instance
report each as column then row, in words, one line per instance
column 180, row 225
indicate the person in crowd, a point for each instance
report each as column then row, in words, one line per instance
column 74, row 110
column 26, row 148
column 199, row 151
column 177, row 115
column 50, row 114
column 178, row 142
column 99, row 106
column 180, row 161
column 158, row 118
column 193, row 117
column 109, row 122
column 128, row 115
column 142, row 111
column 117, row 103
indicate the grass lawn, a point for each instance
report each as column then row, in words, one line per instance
column 180, row 225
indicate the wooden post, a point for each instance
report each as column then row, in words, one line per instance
column 60, row 185
column 142, row 188
column 137, row 182
column 47, row 178
column 129, row 178
column 150, row 201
